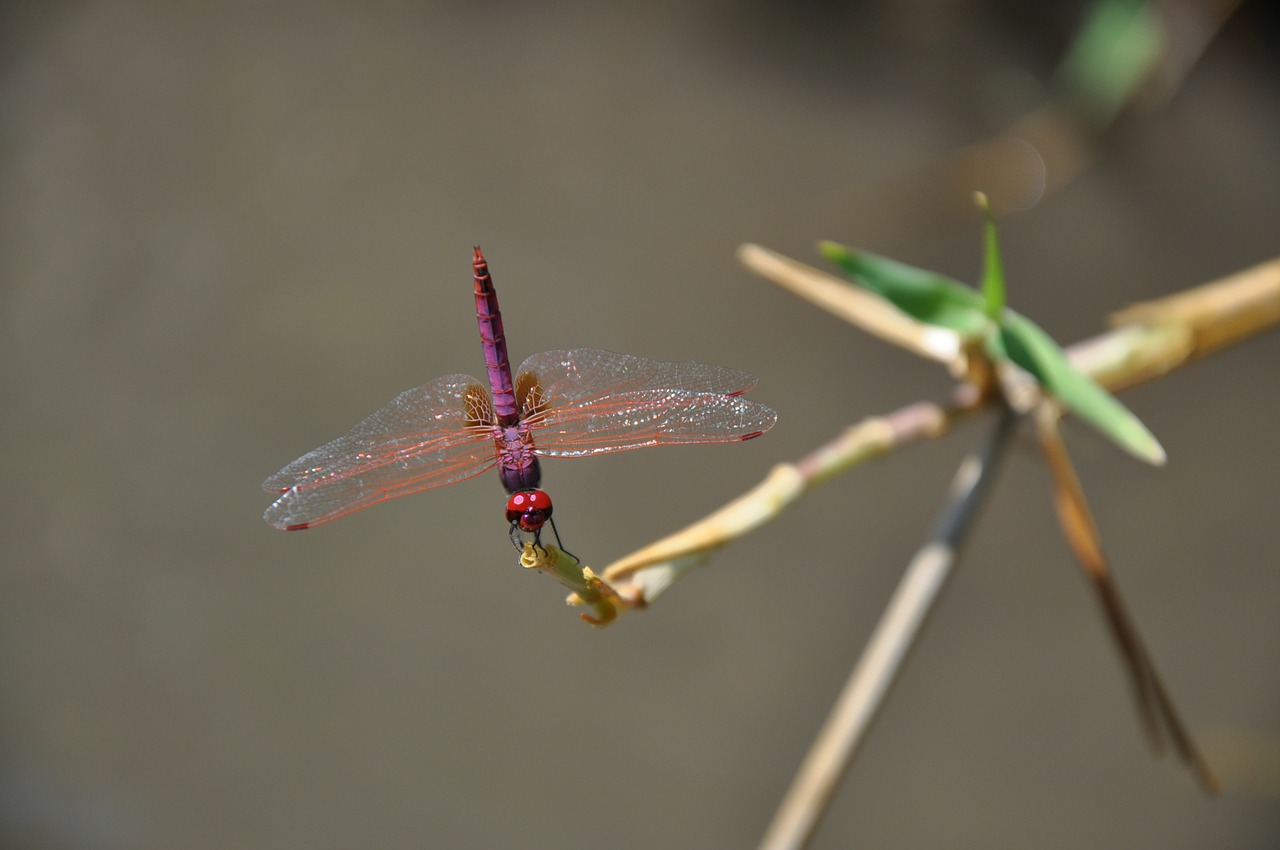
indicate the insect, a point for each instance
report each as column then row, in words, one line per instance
column 576, row 402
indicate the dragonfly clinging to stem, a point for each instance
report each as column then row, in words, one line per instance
column 576, row 402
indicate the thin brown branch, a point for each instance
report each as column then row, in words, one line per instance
column 858, row 307
column 868, row 686
column 656, row 566
column 1216, row 315
column 1155, row 706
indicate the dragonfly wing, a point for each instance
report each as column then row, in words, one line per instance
column 633, row 420
column 425, row 437
column 702, row 378
column 585, row 401
column 581, row 374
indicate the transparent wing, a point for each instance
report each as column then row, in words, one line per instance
column 586, row 401
column 579, row 374
column 425, row 437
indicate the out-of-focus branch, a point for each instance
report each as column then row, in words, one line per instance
column 1115, row 70
column 850, row 719
column 1155, row 706
column 1153, row 339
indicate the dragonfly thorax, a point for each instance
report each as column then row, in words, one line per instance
column 516, row 478
column 517, row 464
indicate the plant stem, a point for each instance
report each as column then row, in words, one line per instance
column 833, row 750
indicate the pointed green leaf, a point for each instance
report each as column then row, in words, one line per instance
column 923, row 295
column 1034, row 350
column 993, row 267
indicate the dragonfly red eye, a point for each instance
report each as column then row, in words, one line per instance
column 529, row 508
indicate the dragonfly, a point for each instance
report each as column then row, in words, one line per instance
column 577, row 402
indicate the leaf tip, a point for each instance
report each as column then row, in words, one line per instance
column 993, row 288
column 1128, row 432
column 833, row 251
column 1136, row 438
column 1155, row 454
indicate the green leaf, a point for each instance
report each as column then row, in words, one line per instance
column 1034, row 350
column 938, row 300
column 993, row 267
column 923, row 295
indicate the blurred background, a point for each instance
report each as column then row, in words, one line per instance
column 229, row 231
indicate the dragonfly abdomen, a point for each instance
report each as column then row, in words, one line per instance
column 494, row 342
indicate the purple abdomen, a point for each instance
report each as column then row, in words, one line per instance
column 489, row 317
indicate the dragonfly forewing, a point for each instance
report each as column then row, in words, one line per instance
column 576, row 375
column 430, row 436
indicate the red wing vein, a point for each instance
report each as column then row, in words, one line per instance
column 426, row 437
column 648, row 418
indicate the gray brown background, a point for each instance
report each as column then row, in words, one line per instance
column 228, row 231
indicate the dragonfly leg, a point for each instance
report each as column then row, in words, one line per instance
column 517, row 537
column 556, row 532
column 513, row 531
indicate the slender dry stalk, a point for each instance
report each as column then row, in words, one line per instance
column 1156, row 708
column 850, row 719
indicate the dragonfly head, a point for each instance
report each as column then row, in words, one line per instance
column 529, row 509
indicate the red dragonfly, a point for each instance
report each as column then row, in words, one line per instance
column 577, row 402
